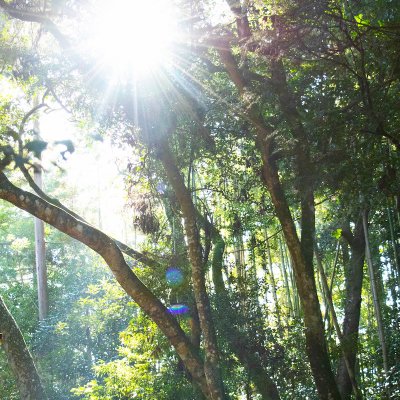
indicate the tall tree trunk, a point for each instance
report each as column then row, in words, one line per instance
column 273, row 284
column 324, row 299
column 333, row 276
column 19, row 357
column 40, row 258
column 286, row 279
column 395, row 252
column 295, row 296
column 211, row 363
column 301, row 251
column 350, row 328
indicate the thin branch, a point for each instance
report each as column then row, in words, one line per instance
column 28, row 115
column 29, row 16
column 140, row 257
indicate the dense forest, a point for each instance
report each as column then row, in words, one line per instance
column 223, row 222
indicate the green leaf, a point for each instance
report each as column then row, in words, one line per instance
column 337, row 234
column 358, row 18
column 361, row 20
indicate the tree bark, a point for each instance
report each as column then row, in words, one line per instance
column 19, row 357
column 350, row 328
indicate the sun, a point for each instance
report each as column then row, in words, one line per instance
column 133, row 37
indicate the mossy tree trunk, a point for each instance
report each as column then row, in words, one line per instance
column 20, row 359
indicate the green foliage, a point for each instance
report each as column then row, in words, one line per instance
column 145, row 368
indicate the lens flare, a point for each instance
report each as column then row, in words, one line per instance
column 161, row 187
column 178, row 309
column 174, row 276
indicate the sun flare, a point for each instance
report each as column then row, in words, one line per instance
column 133, row 36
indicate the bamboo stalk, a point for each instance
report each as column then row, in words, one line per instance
column 285, row 277
column 375, row 298
column 393, row 240
column 271, row 273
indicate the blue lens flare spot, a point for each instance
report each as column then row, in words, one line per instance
column 161, row 187
column 178, row 309
column 174, row 276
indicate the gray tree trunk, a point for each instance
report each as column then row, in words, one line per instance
column 40, row 247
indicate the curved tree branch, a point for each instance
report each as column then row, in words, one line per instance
column 109, row 251
column 140, row 257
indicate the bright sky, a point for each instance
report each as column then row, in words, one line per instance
column 132, row 36
column 92, row 174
